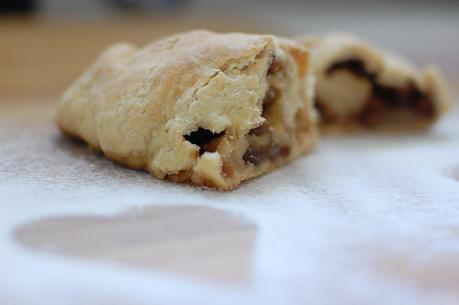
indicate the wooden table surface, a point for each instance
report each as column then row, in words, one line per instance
column 41, row 57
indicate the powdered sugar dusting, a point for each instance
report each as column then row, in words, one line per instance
column 363, row 218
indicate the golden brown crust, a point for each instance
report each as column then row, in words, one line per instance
column 182, row 107
column 360, row 86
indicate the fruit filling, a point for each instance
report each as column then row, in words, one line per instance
column 382, row 102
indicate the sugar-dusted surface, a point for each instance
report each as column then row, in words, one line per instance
column 361, row 219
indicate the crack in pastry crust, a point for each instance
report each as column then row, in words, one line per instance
column 205, row 139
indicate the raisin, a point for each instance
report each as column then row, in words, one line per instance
column 275, row 66
column 284, row 151
column 373, row 113
column 253, row 156
column 424, row 107
column 259, row 131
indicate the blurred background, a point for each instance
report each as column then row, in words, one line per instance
column 46, row 44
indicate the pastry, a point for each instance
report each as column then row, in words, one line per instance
column 359, row 86
column 199, row 107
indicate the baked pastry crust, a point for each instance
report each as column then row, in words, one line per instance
column 198, row 107
column 359, row 86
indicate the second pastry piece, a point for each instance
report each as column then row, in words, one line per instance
column 362, row 87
